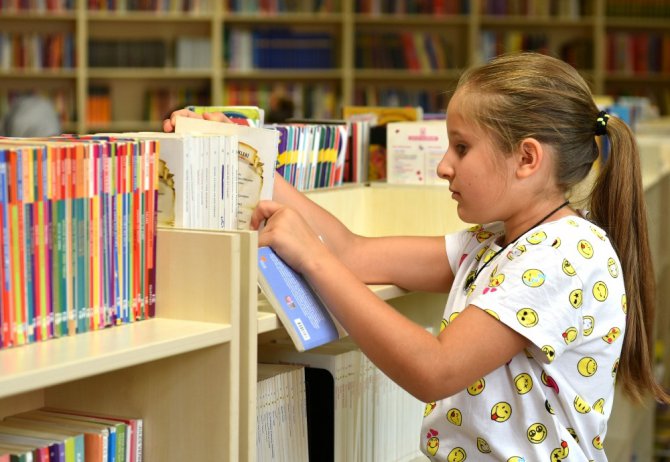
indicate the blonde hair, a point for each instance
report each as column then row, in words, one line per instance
column 526, row 95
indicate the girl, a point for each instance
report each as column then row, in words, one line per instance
column 547, row 305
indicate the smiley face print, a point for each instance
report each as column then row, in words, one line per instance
column 533, row 278
column 536, row 238
column 585, row 249
column 455, row 417
column 527, row 317
column 483, row 446
column 624, row 304
column 567, row 268
column 612, row 335
column 560, row 453
column 600, row 291
column 456, row 455
column 576, row 298
column 612, row 267
column 501, row 412
column 433, row 443
column 523, row 383
column 536, row 433
column 581, row 405
column 496, row 278
column 550, row 352
column 483, row 235
column 598, row 443
column 477, row 387
column 587, row 366
column 429, row 408
column 570, row 335
column 599, row 406
column 588, row 324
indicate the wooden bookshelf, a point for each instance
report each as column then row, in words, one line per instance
column 344, row 82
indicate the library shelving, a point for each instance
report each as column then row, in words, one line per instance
column 120, row 65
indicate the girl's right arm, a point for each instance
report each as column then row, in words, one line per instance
column 414, row 263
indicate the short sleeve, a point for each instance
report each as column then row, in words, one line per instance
column 533, row 295
column 455, row 245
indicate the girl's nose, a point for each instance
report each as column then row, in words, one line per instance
column 444, row 168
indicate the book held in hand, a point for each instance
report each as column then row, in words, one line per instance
column 298, row 307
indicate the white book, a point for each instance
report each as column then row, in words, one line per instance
column 257, row 147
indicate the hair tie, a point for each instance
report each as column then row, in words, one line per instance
column 601, row 123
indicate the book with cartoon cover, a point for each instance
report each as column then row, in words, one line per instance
column 298, row 307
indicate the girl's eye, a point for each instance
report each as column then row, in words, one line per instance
column 461, row 149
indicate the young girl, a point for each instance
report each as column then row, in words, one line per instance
column 547, row 305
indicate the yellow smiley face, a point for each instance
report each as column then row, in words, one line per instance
column 597, row 233
column 624, row 304
column 483, row 446
column 560, row 453
column 533, row 278
column 557, row 243
column 536, row 433
column 527, row 317
column 587, row 366
column 536, row 238
column 432, row 445
column 443, row 324
column 453, row 315
column 454, row 416
column 477, row 387
column 600, row 291
column 612, row 335
column 615, row 367
column 568, row 268
column 516, row 459
column 456, row 455
column 483, row 235
column 429, row 408
column 585, row 249
column 597, row 443
column 479, row 254
column 523, row 383
column 576, row 298
column 488, row 256
column 501, row 412
column 573, row 433
column 516, row 251
column 599, row 406
column 496, row 279
column 492, row 313
column 550, row 352
column 612, row 267
column 570, row 335
column 581, row 405
column 589, row 324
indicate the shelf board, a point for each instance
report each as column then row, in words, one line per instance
column 282, row 18
column 170, row 73
column 535, row 21
column 34, row 15
column 284, row 74
column 43, row 364
column 636, row 78
column 126, row 126
column 38, row 73
column 149, row 16
column 407, row 74
column 642, row 23
column 390, row 19
column 267, row 322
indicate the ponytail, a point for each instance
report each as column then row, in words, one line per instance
column 618, row 206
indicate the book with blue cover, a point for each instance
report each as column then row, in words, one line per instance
column 298, row 307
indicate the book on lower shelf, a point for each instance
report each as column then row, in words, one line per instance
column 298, row 307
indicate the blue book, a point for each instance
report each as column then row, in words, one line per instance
column 298, row 307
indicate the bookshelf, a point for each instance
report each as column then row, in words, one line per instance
column 203, row 53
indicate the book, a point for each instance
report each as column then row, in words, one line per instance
column 251, row 116
column 257, row 152
column 381, row 116
column 413, row 151
column 298, row 307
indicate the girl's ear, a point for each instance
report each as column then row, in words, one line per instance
column 530, row 156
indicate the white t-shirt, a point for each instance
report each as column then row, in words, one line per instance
column 560, row 286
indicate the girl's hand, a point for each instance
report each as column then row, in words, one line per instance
column 288, row 234
column 169, row 124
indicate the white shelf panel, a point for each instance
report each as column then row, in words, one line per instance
column 43, row 364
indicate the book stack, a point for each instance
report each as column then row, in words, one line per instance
column 77, row 235
column 65, row 435
column 281, row 413
column 312, row 155
column 373, row 418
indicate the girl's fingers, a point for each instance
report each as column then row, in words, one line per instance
column 217, row 116
column 263, row 211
